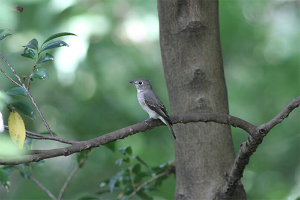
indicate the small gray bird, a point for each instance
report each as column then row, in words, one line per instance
column 151, row 103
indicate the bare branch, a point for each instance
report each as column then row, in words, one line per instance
column 247, row 148
column 42, row 187
column 40, row 113
column 12, row 69
column 131, row 179
column 281, row 116
column 71, row 176
column 38, row 136
column 10, row 78
column 250, row 146
column 214, row 117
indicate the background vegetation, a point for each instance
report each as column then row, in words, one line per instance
column 88, row 94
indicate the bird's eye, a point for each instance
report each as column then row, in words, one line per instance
column 140, row 82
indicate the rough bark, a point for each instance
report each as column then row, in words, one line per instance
column 193, row 67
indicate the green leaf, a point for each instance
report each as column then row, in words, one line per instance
column 126, row 150
column 4, row 179
column 161, row 168
column 39, row 73
column 128, row 189
column 55, row 44
column 103, row 183
column 126, row 159
column 24, row 170
column 119, row 161
column 8, row 168
column 141, row 161
column 17, row 91
column 165, row 166
column 122, row 150
column 140, row 176
column 33, row 44
column 82, row 155
column 48, row 57
column 24, row 108
column 129, row 151
column 58, row 35
column 114, row 179
column 158, row 181
column 37, row 163
column 143, row 195
column 28, row 53
column 4, row 35
column 136, row 168
column 111, row 146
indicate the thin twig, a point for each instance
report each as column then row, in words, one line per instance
column 281, row 116
column 42, row 187
column 12, row 69
column 29, row 79
column 131, row 179
column 28, row 84
column 40, row 113
column 71, row 176
column 146, row 183
column 45, row 137
column 10, row 78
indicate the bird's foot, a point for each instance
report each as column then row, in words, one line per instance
column 146, row 121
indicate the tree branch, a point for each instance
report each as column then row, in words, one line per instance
column 71, row 176
column 42, row 187
column 37, row 108
column 45, row 137
column 250, row 146
column 9, row 77
column 247, row 148
column 217, row 118
column 12, row 69
column 281, row 116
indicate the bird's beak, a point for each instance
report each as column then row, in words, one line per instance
column 131, row 82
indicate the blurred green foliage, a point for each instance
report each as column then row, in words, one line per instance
column 88, row 94
column 136, row 179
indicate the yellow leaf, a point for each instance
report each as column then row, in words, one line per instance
column 16, row 128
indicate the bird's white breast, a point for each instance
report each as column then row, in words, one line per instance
column 141, row 99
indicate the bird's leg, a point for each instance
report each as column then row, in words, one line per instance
column 146, row 121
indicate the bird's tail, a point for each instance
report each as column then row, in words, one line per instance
column 171, row 129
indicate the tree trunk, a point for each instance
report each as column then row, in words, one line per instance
column 193, row 67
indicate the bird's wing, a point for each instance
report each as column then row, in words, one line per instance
column 156, row 105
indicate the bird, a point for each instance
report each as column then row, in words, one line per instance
column 151, row 103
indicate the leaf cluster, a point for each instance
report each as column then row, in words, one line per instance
column 24, row 169
column 33, row 51
column 131, row 177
